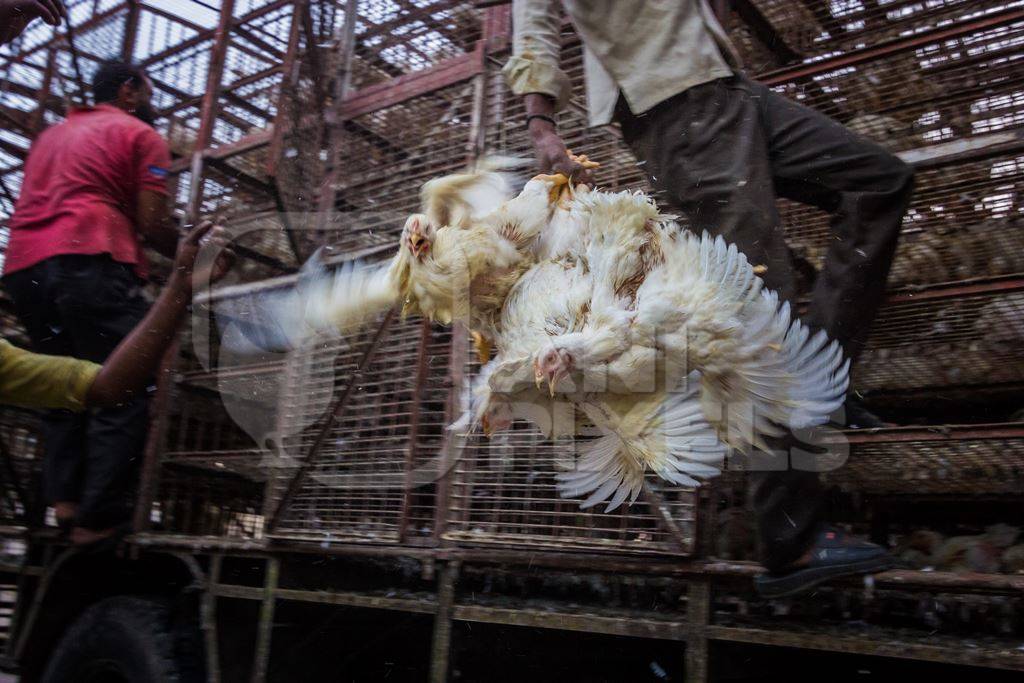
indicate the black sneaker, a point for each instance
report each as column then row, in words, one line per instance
column 833, row 554
column 859, row 417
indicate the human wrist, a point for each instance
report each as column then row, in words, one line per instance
column 541, row 123
column 542, row 130
column 179, row 284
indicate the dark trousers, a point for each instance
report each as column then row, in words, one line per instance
column 721, row 153
column 83, row 306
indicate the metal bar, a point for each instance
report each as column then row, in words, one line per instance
column 867, row 54
column 177, row 48
column 241, row 146
column 626, row 625
column 942, row 433
column 663, row 517
column 69, row 33
column 286, row 221
column 335, row 118
column 403, row 88
column 266, row 624
column 965, row 149
column 411, row 448
column 131, row 30
column 955, row 653
column 764, row 31
column 348, row 599
column 956, row 290
column 340, row 404
column 208, row 115
column 208, row 616
column 698, row 613
column 150, row 471
column 440, row 650
column 290, row 68
column 38, row 119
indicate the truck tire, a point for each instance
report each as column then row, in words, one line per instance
column 131, row 639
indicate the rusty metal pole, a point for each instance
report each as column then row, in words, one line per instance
column 342, row 86
column 289, row 81
column 290, row 76
column 411, row 446
column 210, row 106
column 440, row 650
column 131, row 30
column 698, row 613
column 150, row 474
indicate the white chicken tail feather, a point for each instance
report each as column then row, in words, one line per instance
column 676, row 442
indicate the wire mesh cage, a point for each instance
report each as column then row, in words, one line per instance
column 211, row 479
column 371, row 476
column 984, row 460
column 504, row 494
column 946, row 336
column 21, row 453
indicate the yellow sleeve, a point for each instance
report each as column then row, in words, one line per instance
column 34, row 380
column 536, row 43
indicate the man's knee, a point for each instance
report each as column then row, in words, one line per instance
column 899, row 178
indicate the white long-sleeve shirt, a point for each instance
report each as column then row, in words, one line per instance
column 649, row 50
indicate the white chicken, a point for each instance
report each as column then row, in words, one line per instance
column 662, row 340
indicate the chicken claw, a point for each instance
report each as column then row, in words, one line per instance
column 482, row 345
column 559, row 186
column 583, row 160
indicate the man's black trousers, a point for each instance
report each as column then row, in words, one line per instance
column 83, row 306
column 722, row 152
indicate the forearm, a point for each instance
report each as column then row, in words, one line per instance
column 137, row 358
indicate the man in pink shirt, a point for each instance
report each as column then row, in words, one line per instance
column 94, row 192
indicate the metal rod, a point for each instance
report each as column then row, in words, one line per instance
column 261, row 659
column 411, row 447
column 440, row 650
column 79, row 79
column 867, row 54
column 698, row 614
column 208, row 609
column 150, row 474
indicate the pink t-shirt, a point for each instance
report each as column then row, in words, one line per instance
column 82, row 177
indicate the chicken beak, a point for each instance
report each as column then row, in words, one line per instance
column 418, row 245
column 551, row 386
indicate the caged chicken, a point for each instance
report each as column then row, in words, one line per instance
column 663, row 341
